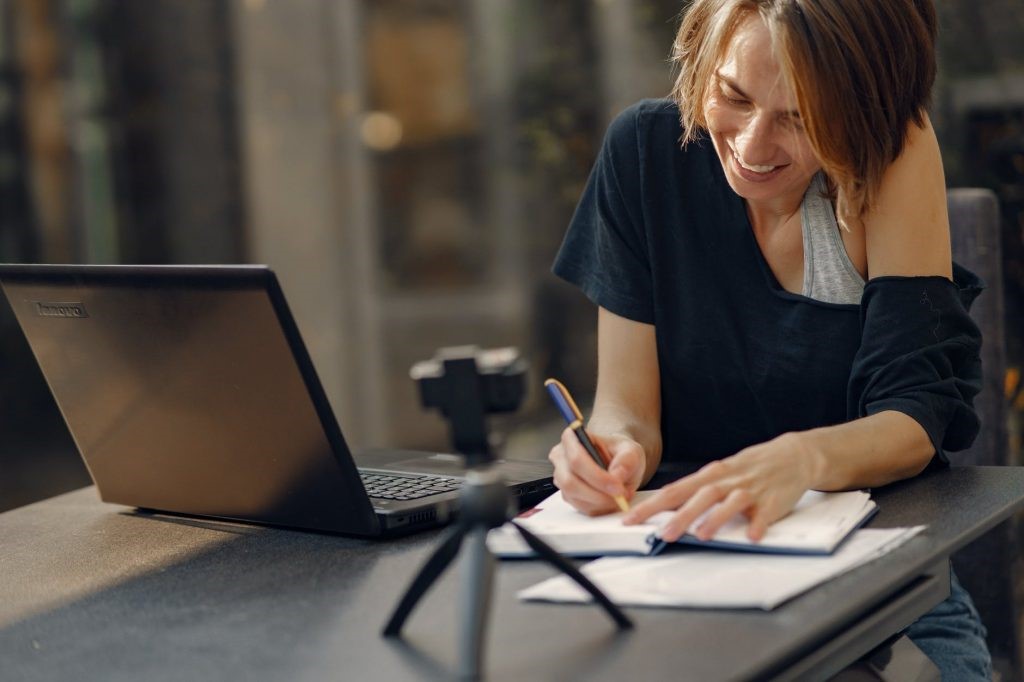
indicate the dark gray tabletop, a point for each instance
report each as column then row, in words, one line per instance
column 90, row 591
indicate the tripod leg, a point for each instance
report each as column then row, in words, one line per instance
column 476, row 603
column 432, row 568
column 548, row 554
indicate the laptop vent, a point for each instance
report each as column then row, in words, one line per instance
column 422, row 517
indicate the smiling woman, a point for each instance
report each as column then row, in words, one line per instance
column 739, row 325
column 828, row 79
column 754, row 120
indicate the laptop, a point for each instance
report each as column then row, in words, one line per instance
column 188, row 390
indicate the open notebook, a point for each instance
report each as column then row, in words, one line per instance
column 817, row 525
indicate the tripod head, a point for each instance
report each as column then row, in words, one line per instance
column 466, row 384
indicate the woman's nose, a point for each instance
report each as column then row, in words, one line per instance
column 754, row 141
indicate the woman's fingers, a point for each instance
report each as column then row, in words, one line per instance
column 764, row 516
column 758, row 482
column 719, row 502
column 675, row 494
column 583, row 466
column 666, row 498
column 757, row 528
column 736, row 502
column 581, row 496
column 627, row 464
column 585, row 485
column 702, row 500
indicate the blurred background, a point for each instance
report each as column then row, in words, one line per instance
column 407, row 167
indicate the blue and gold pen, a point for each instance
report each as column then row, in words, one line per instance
column 574, row 418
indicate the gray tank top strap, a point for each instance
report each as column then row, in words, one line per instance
column 829, row 274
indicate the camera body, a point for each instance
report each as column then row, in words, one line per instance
column 466, row 384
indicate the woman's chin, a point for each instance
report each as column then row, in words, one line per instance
column 754, row 191
column 782, row 184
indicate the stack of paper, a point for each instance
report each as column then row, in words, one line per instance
column 716, row 579
column 817, row 525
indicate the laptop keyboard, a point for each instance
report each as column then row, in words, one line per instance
column 396, row 487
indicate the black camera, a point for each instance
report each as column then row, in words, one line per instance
column 466, row 384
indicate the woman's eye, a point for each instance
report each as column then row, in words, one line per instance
column 794, row 122
column 726, row 92
column 732, row 98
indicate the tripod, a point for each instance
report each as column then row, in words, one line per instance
column 484, row 503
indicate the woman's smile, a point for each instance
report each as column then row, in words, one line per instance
column 755, row 172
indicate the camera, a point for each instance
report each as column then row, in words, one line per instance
column 466, row 384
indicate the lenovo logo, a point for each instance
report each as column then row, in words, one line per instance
column 46, row 309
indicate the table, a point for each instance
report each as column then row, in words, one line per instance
column 90, row 591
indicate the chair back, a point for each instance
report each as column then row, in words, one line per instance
column 975, row 232
column 985, row 567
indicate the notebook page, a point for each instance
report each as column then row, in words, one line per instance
column 572, row 532
column 818, row 522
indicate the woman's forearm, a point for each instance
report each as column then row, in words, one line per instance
column 867, row 452
column 628, row 399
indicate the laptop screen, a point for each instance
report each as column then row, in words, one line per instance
column 189, row 390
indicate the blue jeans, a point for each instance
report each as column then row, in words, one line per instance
column 952, row 636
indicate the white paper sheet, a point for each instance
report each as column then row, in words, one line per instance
column 717, row 579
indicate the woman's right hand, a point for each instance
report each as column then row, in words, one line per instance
column 588, row 487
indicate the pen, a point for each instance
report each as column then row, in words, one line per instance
column 574, row 418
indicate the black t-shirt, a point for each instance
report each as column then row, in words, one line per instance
column 659, row 237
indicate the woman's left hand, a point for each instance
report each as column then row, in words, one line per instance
column 762, row 482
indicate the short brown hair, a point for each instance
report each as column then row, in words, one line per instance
column 861, row 71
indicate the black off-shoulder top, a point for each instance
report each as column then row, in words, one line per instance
column 659, row 237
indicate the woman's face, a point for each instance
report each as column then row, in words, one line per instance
column 754, row 123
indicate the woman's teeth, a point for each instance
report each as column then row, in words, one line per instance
column 756, row 169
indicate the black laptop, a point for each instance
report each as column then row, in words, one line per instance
column 189, row 390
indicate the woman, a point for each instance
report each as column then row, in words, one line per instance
column 776, row 294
